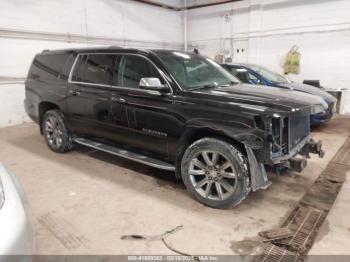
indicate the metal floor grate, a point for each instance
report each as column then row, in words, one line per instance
column 308, row 216
column 304, row 222
column 274, row 253
column 343, row 155
column 334, row 173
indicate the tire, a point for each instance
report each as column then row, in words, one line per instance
column 210, row 161
column 56, row 134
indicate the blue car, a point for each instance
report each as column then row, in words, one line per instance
column 258, row 75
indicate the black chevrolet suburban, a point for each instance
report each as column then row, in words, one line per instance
column 171, row 110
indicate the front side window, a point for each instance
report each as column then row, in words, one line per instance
column 95, row 69
column 269, row 75
column 194, row 71
column 244, row 75
column 132, row 68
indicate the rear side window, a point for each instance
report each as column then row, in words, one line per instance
column 67, row 67
column 94, row 69
column 47, row 66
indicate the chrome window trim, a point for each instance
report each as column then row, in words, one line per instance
column 119, row 87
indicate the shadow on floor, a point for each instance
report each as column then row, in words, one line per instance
column 340, row 124
column 284, row 191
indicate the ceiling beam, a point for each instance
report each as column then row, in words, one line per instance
column 210, row 4
column 158, row 4
column 175, row 8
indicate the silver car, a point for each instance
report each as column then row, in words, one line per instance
column 16, row 232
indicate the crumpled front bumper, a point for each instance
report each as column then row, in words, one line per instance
column 16, row 232
column 307, row 146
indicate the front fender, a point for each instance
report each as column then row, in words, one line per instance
column 251, row 137
column 242, row 132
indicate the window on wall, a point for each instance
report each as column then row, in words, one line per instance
column 132, row 68
column 95, row 69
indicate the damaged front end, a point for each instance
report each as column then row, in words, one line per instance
column 281, row 141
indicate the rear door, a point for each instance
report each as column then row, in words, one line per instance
column 89, row 97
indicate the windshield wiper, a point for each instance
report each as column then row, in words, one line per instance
column 229, row 84
column 214, row 85
column 205, row 87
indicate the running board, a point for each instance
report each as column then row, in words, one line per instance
column 125, row 154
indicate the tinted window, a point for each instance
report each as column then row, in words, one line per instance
column 133, row 68
column 77, row 71
column 244, row 75
column 67, row 67
column 47, row 67
column 95, row 69
column 269, row 75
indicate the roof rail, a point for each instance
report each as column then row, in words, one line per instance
column 45, row 51
column 115, row 46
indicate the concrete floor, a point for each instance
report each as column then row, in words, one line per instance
column 82, row 202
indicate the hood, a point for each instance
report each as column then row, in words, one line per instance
column 310, row 90
column 275, row 99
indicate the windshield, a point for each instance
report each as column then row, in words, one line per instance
column 269, row 75
column 193, row 71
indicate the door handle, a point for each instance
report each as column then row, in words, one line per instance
column 119, row 100
column 75, row 92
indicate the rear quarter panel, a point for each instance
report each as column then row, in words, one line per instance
column 47, row 81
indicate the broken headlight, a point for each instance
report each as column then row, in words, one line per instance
column 2, row 195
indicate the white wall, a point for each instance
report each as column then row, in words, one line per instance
column 81, row 22
column 29, row 26
column 320, row 28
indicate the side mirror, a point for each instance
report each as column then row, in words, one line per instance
column 153, row 83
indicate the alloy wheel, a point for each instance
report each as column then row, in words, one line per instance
column 53, row 132
column 213, row 175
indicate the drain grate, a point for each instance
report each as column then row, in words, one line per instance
column 304, row 222
column 274, row 253
column 343, row 155
column 311, row 211
column 334, row 173
column 322, row 194
column 275, row 234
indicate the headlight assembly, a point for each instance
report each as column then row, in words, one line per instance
column 316, row 109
